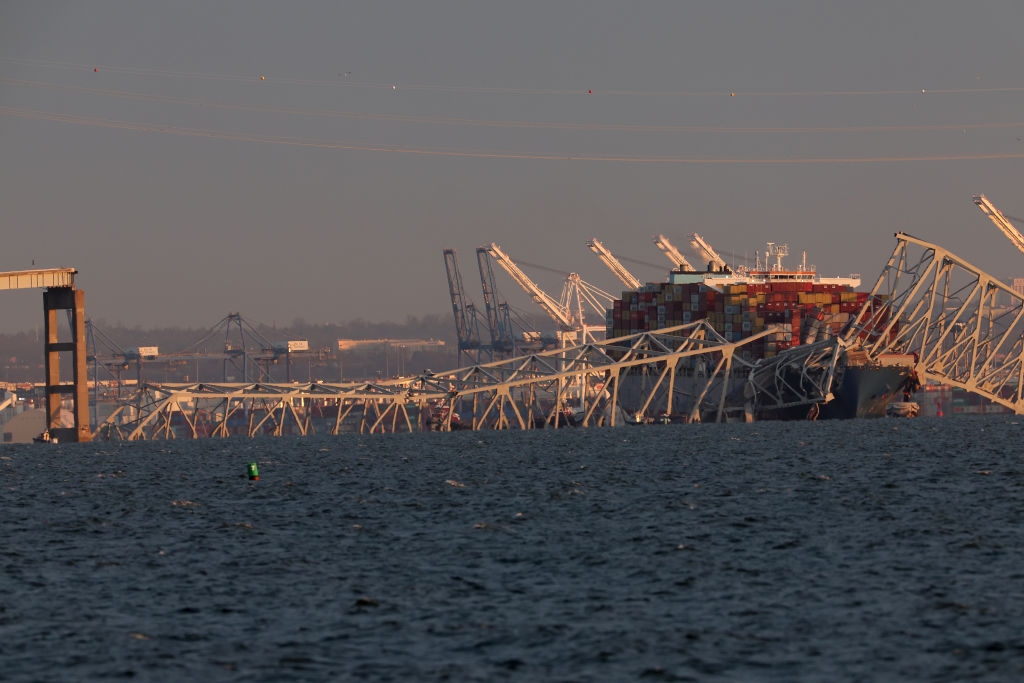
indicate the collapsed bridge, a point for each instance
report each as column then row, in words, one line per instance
column 930, row 316
column 606, row 383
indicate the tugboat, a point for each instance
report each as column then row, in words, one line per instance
column 903, row 409
column 908, row 407
column 45, row 437
column 438, row 416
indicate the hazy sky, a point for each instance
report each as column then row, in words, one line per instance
column 313, row 159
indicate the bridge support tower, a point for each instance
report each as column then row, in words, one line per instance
column 56, row 299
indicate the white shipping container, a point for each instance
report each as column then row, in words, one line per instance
column 294, row 345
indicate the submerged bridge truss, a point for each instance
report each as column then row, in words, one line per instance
column 689, row 372
column 965, row 327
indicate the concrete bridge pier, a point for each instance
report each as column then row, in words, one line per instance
column 56, row 299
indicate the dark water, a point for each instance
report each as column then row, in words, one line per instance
column 885, row 550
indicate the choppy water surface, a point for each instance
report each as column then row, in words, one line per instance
column 860, row 550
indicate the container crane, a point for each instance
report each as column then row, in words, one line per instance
column 673, row 254
column 567, row 315
column 613, row 264
column 539, row 296
column 114, row 361
column 499, row 321
column 707, row 253
column 244, row 350
column 1001, row 221
column 467, row 326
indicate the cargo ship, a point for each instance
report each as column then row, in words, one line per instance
column 797, row 306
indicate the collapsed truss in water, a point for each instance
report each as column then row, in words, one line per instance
column 801, row 378
column 685, row 373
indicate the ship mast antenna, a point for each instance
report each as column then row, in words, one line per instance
column 778, row 251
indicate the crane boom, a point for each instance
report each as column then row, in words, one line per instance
column 549, row 305
column 706, row 251
column 673, row 254
column 613, row 264
column 997, row 217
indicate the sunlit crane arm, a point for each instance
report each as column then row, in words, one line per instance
column 706, row 251
column 997, row 217
column 613, row 264
column 540, row 297
column 673, row 254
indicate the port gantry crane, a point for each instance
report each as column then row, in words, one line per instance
column 499, row 320
column 114, row 360
column 673, row 254
column 244, row 349
column 626, row 277
column 553, row 308
column 997, row 217
column 706, row 252
column 467, row 325
column 568, row 312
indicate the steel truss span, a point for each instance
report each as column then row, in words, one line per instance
column 965, row 327
column 686, row 373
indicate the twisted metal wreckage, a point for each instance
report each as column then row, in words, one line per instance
column 945, row 319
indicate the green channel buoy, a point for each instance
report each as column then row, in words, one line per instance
column 254, row 472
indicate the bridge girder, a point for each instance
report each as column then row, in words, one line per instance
column 965, row 326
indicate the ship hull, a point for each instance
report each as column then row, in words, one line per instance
column 864, row 392
column 867, row 391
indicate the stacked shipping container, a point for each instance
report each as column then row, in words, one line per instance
column 803, row 311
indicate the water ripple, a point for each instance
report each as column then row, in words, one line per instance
column 864, row 550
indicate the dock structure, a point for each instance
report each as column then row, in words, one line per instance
column 60, row 294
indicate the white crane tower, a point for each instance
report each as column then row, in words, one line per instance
column 997, row 217
column 673, row 254
column 626, row 277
